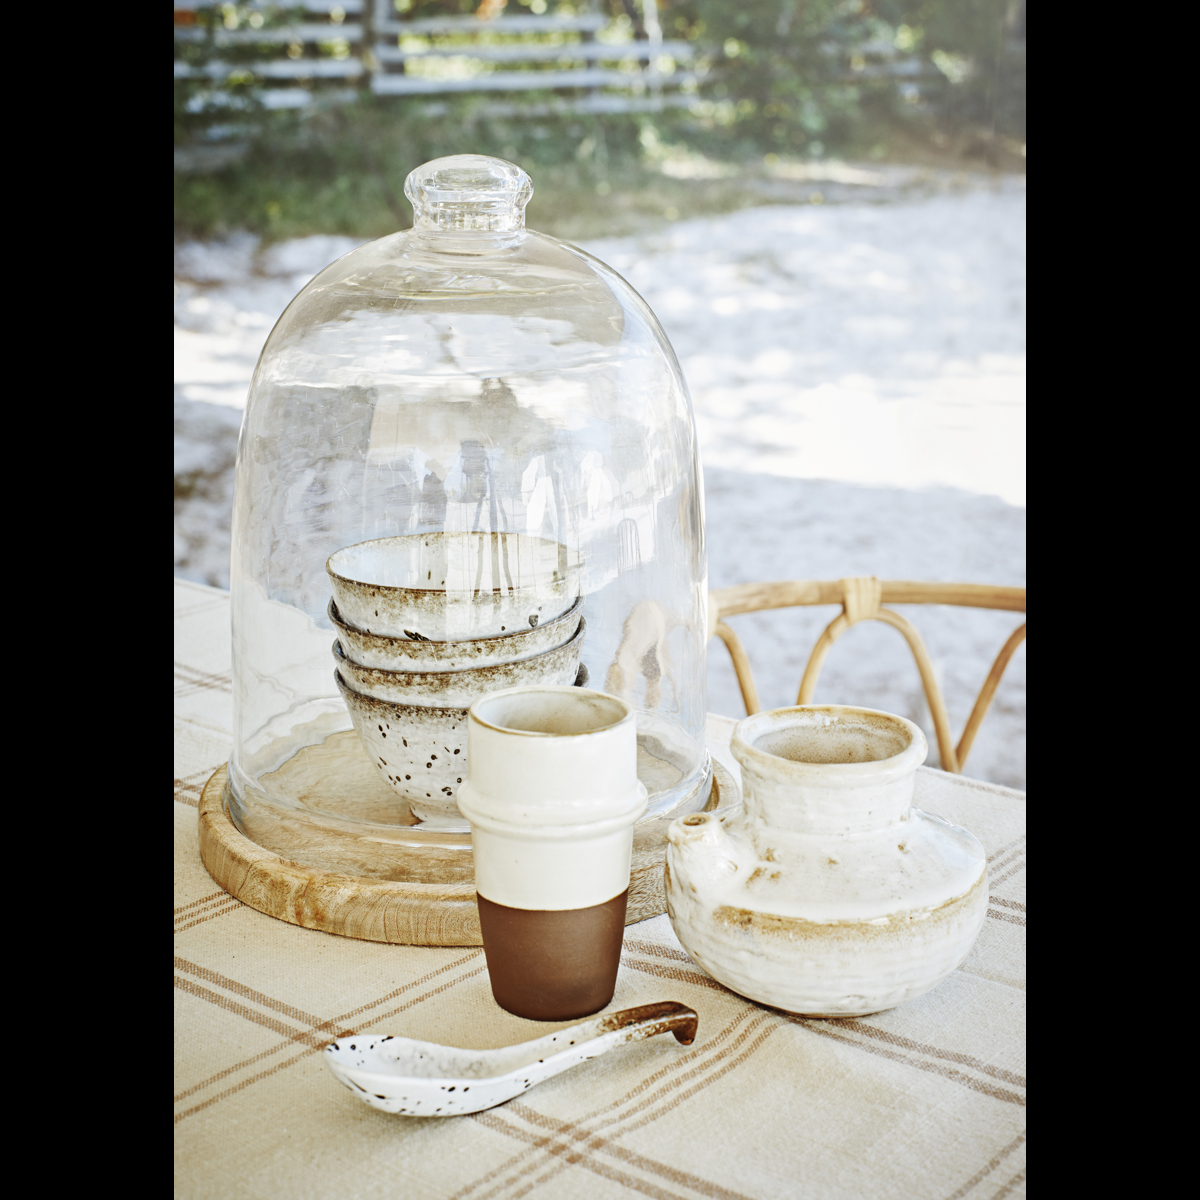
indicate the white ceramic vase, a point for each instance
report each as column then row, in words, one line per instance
column 826, row 893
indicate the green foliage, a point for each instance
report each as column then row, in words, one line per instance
column 773, row 81
column 816, row 76
column 978, row 48
column 343, row 171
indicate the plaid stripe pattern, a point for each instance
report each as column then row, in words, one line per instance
column 925, row 1101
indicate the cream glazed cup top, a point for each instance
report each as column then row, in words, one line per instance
column 552, row 794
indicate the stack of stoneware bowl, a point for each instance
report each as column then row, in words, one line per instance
column 424, row 628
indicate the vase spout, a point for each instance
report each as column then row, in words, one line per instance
column 702, row 842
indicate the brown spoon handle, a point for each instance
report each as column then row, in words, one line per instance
column 649, row 1019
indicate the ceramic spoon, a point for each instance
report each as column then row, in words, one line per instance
column 423, row 1079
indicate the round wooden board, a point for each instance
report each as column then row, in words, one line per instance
column 413, row 914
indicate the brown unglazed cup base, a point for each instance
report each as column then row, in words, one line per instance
column 553, row 965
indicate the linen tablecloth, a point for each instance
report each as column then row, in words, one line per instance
column 927, row 1100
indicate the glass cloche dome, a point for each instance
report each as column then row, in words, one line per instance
column 500, row 409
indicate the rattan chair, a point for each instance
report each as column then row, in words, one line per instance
column 862, row 599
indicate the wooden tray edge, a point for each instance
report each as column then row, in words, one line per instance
column 413, row 914
column 373, row 910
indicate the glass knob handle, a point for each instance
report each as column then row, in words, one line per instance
column 469, row 191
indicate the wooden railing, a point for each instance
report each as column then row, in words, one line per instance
column 862, row 598
column 344, row 46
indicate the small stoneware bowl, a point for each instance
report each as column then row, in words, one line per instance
column 421, row 752
column 404, row 654
column 451, row 689
column 447, row 587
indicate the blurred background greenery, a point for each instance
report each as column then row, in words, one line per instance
column 778, row 84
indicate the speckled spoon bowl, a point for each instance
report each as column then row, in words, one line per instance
column 423, row 1079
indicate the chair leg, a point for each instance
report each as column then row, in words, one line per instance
column 741, row 667
column 933, row 693
column 816, row 660
column 987, row 692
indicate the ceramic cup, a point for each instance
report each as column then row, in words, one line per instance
column 552, row 795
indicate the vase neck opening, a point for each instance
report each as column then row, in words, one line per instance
column 835, row 743
column 829, row 770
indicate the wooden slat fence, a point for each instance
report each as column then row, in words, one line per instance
column 580, row 63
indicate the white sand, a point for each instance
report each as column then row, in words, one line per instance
column 858, row 378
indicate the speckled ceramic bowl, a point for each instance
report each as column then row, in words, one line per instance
column 448, row 689
column 404, row 654
column 421, row 752
column 447, row 587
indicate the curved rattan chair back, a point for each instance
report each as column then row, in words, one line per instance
column 862, row 599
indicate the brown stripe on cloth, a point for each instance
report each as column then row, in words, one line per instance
column 685, row 1060
column 604, row 1143
column 677, row 976
column 1012, row 870
column 650, row 1166
column 690, row 1061
column 656, row 949
column 1000, row 861
column 700, row 1069
column 1011, row 918
column 249, row 1062
column 219, row 910
column 963, row 1060
column 247, row 993
column 314, row 1044
column 314, row 1023
column 313, row 1049
column 189, row 788
column 1006, row 903
column 458, row 962
column 203, row 900
column 1006, row 848
column 573, row 1158
column 1012, row 1183
column 652, row 1109
column 237, row 1087
column 871, row 1032
column 240, row 1010
column 989, row 1166
column 1019, row 863
column 189, row 680
column 445, row 987
column 826, row 1029
column 342, row 1018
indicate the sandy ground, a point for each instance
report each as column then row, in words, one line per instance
column 858, row 378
